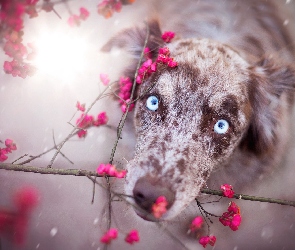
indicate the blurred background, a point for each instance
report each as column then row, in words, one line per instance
column 32, row 110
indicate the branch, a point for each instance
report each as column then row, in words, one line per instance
column 250, row 198
column 124, row 116
column 81, row 172
column 55, row 171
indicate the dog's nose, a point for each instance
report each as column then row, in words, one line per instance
column 146, row 191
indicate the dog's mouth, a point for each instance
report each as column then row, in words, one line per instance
column 146, row 216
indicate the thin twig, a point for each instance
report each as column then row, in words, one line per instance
column 19, row 158
column 93, row 191
column 74, row 131
column 124, row 116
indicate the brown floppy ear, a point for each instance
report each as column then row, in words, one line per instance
column 132, row 40
column 271, row 90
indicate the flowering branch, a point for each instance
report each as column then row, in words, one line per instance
column 124, row 116
column 81, row 172
column 250, row 198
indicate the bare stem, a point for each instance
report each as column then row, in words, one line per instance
column 55, row 171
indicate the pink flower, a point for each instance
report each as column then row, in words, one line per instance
column 80, row 107
column 146, row 69
column 196, row 223
column 124, row 106
column 159, row 207
column 147, row 53
column 74, row 20
column 121, row 174
column 84, row 121
column 104, row 79
column 109, row 236
column 10, row 144
column 235, row 222
column 132, row 237
column 168, row 36
column 107, row 7
column 3, row 155
column 84, row 13
column 227, row 190
column 26, row 199
column 233, row 207
column 102, row 119
column 205, row 240
column 15, row 223
column 164, row 58
column 82, row 133
column 110, row 170
column 232, row 218
column 7, row 67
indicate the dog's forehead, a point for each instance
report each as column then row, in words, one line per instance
column 205, row 68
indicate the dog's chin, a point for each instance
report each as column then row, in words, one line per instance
column 146, row 216
column 150, row 217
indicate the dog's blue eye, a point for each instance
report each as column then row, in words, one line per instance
column 221, row 126
column 152, row 103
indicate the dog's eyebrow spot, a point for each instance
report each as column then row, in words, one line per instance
column 195, row 137
column 167, row 137
column 230, row 105
column 175, row 123
column 181, row 165
column 207, row 117
column 155, row 163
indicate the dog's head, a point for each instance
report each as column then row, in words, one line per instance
column 191, row 119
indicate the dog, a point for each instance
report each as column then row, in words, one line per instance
column 223, row 114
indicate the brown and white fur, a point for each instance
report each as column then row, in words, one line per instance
column 234, row 63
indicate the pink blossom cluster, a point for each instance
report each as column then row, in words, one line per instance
column 149, row 67
column 168, row 36
column 164, row 58
column 110, row 170
column 125, row 85
column 10, row 146
column 146, row 69
column 205, row 240
column 75, row 20
column 14, row 223
column 109, row 236
column 80, row 107
column 104, row 78
column 107, row 7
column 159, row 207
column 196, row 223
column 232, row 217
column 227, row 190
column 132, row 237
column 86, row 121
column 112, row 234
column 11, row 25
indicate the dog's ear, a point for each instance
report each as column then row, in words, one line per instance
column 271, row 86
column 132, row 41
